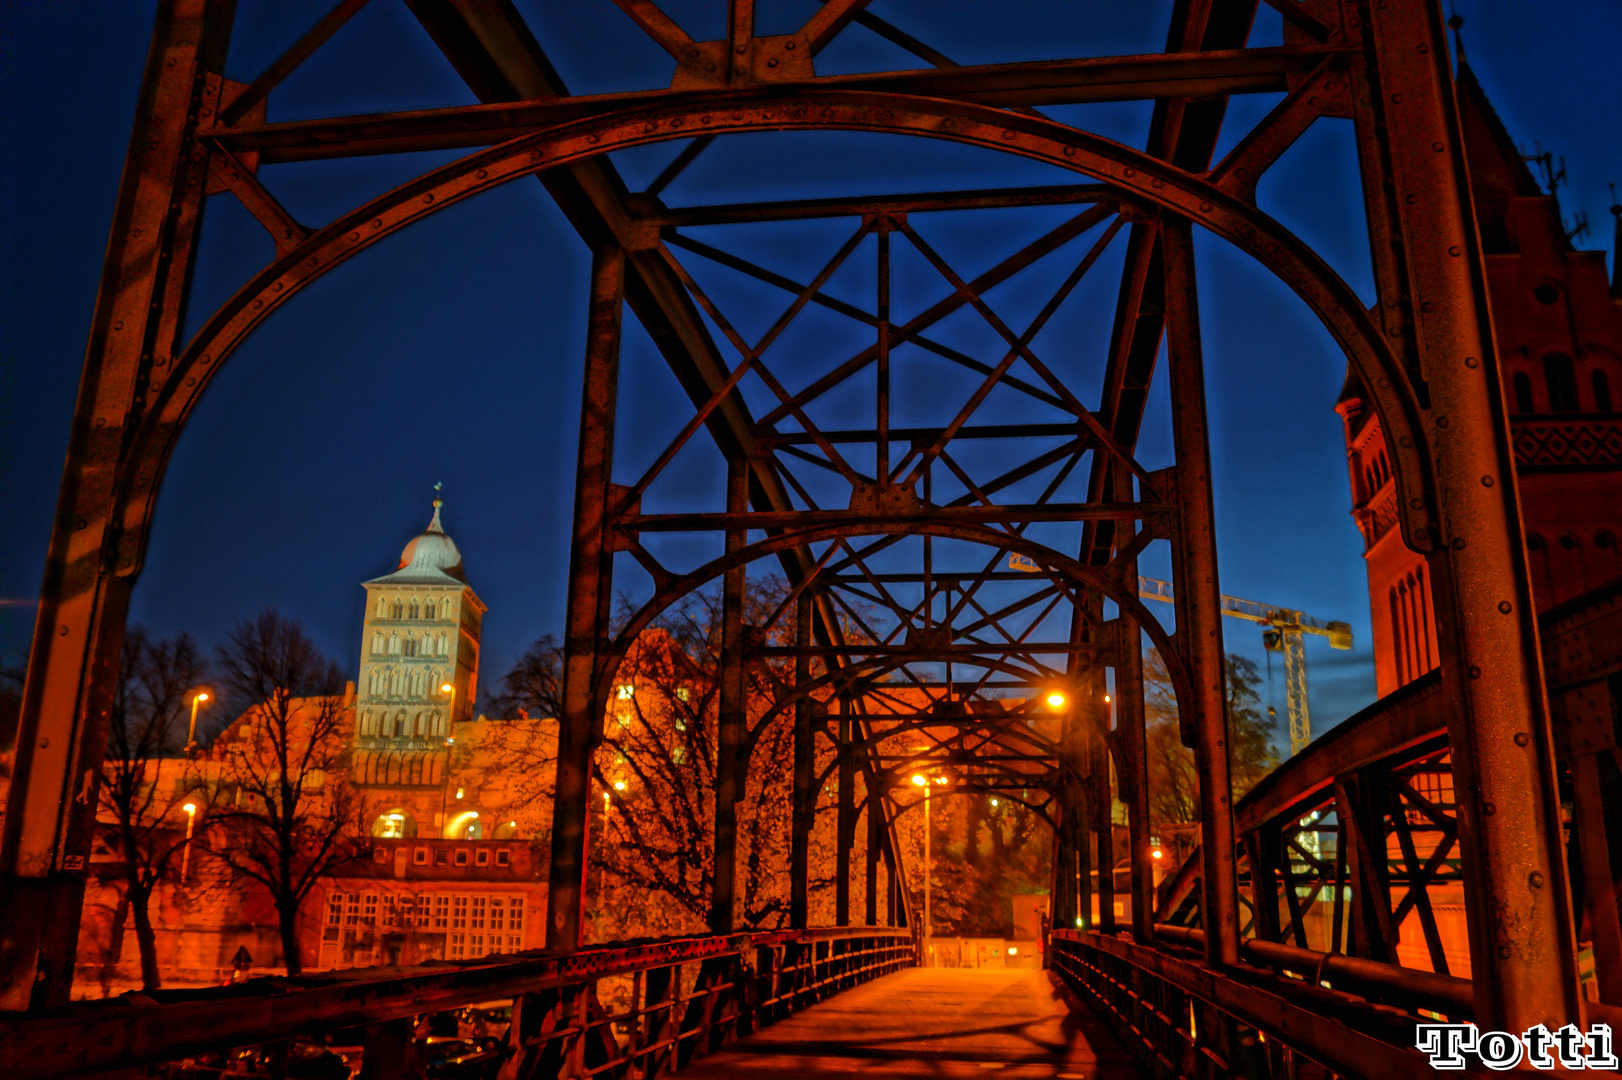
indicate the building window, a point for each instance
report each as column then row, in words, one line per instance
column 377, row 642
column 482, row 857
column 458, row 913
column 439, row 645
column 382, row 608
column 419, row 857
column 476, row 912
column 458, row 946
column 1562, row 379
column 335, row 909
column 428, row 610
column 394, row 610
column 461, row 857
column 1523, row 393
column 1602, row 393
column 412, row 611
column 411, row 646
column 504, row 858
column 394, row 643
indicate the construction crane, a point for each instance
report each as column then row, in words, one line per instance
column 1286, row 633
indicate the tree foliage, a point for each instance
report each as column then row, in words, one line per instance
column 1174, row 782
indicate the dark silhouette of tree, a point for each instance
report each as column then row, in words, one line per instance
column 533, row 689
column 290, row 821
column 148, row 722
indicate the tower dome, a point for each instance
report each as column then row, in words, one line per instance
column 433, row 550
column 430, row 558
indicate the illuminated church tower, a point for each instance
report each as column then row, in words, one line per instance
column 419, row 664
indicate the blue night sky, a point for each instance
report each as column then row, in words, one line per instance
column 452, row 352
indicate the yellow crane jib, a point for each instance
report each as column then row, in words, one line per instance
column 1285, row 632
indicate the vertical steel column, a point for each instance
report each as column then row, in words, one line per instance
column 1199, row 599
column 875, row 846
column 1130, row 734
column 731, row 718
column 1599, row 889
column 1522, row 942
column 97, row 540
column 1103, row 822
column 846, row 825
column 591, row 566
column 805, row 773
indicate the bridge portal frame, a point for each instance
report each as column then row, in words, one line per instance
column 1425, row 352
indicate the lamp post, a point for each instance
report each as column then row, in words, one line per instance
column 923, row 782
column 191, row 732
column 191, row 823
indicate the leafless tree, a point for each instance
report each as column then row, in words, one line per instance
column 147, row 724
column 292, row 821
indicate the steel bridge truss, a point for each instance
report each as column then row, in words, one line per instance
column 885, row 454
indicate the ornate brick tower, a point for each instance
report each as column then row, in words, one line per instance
column 1558, row 324
column 419, row 664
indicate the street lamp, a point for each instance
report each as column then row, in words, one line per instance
column 191, row 823
column 1056, row 699
column 191, row 733
column 923, row 782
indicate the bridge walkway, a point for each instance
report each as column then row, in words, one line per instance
column 936, row 1022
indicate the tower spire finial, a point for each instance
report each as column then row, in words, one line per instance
column 434, row 525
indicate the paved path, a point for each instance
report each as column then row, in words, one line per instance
column 938, row 1022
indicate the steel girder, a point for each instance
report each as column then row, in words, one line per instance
column 1425, row 352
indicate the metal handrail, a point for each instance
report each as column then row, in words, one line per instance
column 140, row 1029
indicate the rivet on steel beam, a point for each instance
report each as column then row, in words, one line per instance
column 1521, row 738
column 1470, row 361
column 1489, row 809
column 1503, row 952
column 118, row 325
column 1441, row 421
column 481, row 174
column 1453, row 251
column 1458, row 543
column 354, row 236
column 377, row 223
column 1505, row 607
column 62, row 631
column 1396, row 99
column 428, row 198
column 1417, row 504
column 1486, row 481
column 1536, row 879
column 1475, row 672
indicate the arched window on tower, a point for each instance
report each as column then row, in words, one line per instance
column 394, row 610
column 439, row 645
column 1537, row 557
column 377, row 642
column 400, row 725
column 1602, row 392
column 413, row 610
column 382, row 608
column 394, row 643
column 1396, row 636
column 428, row 610
column 422, row 725
column 438, row 720
column 395, row 679
column 1561, row 376
column 1523, row 393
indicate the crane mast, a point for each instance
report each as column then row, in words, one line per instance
column 1285, row 632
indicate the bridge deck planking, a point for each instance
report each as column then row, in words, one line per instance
column 939, row 1022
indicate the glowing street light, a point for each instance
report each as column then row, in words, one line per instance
column 923, row 782
column 619, row 785
column 191, row 823
column 191, row 733
column 1056, row 699
column 446, row 688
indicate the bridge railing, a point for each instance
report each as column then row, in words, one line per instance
column 618, row 1010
